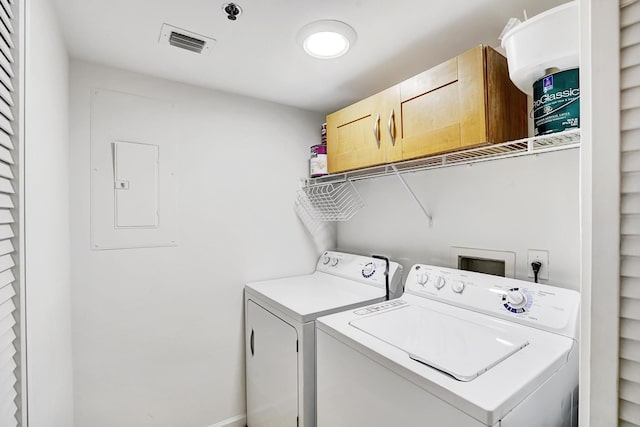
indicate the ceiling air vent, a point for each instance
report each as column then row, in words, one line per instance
column 184, row 39
column 186, row 42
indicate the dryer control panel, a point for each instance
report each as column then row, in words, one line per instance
column 369, row 270
column 542, row 306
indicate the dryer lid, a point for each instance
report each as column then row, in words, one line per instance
column 307, row 297
column 458, row 347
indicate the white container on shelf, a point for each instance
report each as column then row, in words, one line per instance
column 546, row 41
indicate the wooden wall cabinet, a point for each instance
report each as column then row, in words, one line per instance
column 464, row 102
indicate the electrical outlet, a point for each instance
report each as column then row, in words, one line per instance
column 543, row 257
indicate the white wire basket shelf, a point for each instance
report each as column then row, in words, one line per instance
column 333, row 201
column 335, row 198
column 521, row 147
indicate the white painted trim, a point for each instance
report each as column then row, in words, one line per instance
column 23, row 22
column 600, row 211
column 237, row 421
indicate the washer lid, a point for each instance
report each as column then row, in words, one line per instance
column 450, row 344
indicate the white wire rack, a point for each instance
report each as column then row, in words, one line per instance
column 334, row 201
column 334, row 197
column 313, row 225
column 521, row 147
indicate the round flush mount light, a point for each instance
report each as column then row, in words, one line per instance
column 326, row 39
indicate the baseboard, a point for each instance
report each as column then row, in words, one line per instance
column 237, row 421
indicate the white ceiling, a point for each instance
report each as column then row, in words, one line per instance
column 258, row 56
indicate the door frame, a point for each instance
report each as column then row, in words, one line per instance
column 599, row 211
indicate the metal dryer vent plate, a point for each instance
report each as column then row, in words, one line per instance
column 184, row 39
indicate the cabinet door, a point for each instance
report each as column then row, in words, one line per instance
column 443, row 109
column 354, row 136
column 271, row 368
column 391, row 139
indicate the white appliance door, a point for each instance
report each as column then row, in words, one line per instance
column 272, row 370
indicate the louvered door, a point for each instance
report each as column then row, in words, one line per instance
column 9, row 301
column 629, row 381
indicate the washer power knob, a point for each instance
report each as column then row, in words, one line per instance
column 440, row 282
column 423, row 279
column 457, row 286
column 335, row 262
column 326, row 259
column 516, row 298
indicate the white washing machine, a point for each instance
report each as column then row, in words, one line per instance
column 280, row 331
column 458, row 349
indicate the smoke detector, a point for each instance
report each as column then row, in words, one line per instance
column 184, row 39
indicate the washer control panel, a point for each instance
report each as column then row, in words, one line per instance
column 379, row 307
column 364, row 269
column 542, row 306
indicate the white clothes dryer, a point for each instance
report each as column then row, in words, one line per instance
column 459, row 349
column 280, row 331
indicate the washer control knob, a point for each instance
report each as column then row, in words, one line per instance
column 423, row 279
column 440, row 282
column 334, row 262
column 457, row 286
column 368, row 270
column 326, row 259
column 516, row 298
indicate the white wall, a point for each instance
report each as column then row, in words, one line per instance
column 508, row 205
column 47, row 279
column 158, row 332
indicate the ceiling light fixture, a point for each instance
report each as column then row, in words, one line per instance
column 326, row 39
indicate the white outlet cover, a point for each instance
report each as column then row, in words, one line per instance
column 543, row 257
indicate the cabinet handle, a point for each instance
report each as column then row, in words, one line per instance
column 392, row 128
column 251, row 344
column 376, row 130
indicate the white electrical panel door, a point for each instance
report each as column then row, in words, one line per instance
column 136, row 184
column 133, row 171
column 271, row 368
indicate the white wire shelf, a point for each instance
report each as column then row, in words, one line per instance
column 335, row 198
column 333, row 201
column 521, row 147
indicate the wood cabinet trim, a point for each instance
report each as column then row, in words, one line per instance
column 471, row 97
column 429, row 80
column 354, row 120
